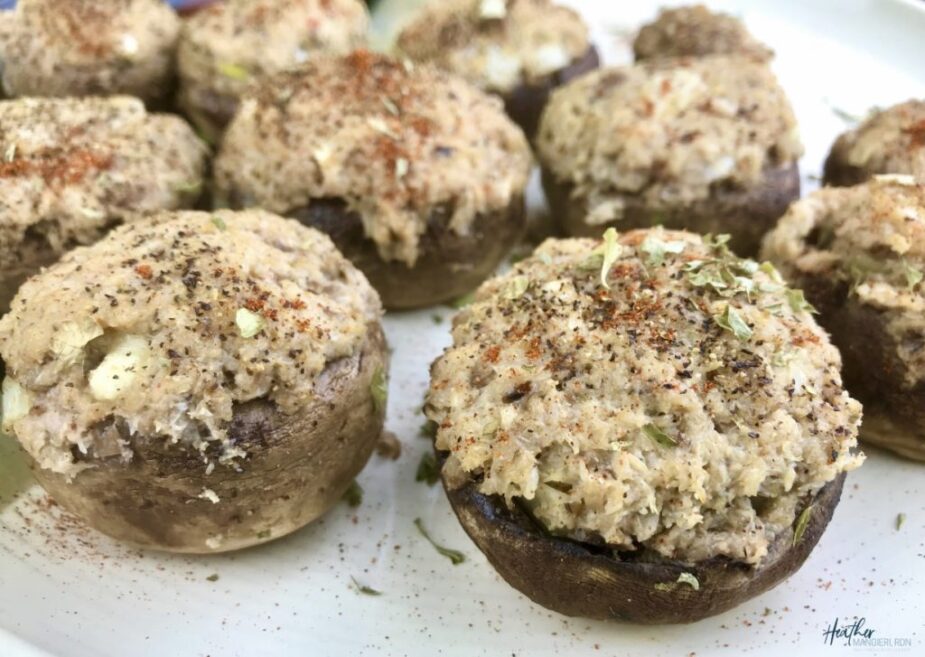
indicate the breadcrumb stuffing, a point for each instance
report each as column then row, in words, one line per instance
column 685, row 408
column 870, row 238
column 86, row 47
column 889, row 141
column 666, row 131
column 395, row 141
column 225, row 47
column 72, row 168
column 695, row 31
column 137, row 334
column 496, row 45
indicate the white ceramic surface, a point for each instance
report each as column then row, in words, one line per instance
column 67, row 591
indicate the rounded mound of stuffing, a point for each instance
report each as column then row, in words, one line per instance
column 393, row 140
column 86, row 47
column 889, row 141
column 649, row 392
column 74, row 167
column 496, row 45
column 163, row 326
column 696, row 31
column 667, row 132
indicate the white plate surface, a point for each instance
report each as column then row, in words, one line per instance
column 67, row 591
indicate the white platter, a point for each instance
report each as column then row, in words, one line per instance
column 67, row 591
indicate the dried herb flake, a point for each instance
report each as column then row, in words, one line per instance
column 379, row 390
column 353, row 496
column 690, row 580
column 428, row 470
column 732, row 321
column 802, row 522
column 659, row 436
column 362, row 588
column 455, row 556
column 249, row 323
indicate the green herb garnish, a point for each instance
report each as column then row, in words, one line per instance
column 428, row 430
column 436, row 319
column 428, row 470
column 516, row 288
column 611, row 250
column 560, row 486
column 264, row 533
column 219, row 222
column 233, row 71
column 191, row 187
column 212, row 578
column 361, row 588
column 455, row 556
column 718, row 243
column 659, row 436
column 802, row 522
column 353, row 496
column 690, row 580
column 913, row 276
column 732, row 321
column 900, row 521
column 249, row 323
column 379, row 390
column 846, row 116
column 656, row 249
column 798, row 302
column 463, row 301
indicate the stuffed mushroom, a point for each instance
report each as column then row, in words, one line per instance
column 225, row 46
column 87, row 47
column 889, row 141
column 197, row 382
column 859, row 252
column 646, row 429
column 72, row 168
column 518, row 49
column 708, row 144
column 417, row 176
column 695, row 31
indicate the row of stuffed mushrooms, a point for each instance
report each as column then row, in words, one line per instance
column 656, row 420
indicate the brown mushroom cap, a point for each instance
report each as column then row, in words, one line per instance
column 889, row 141
column 298, row 466
column 87, row 48
column 449, row 265
column 651, row 401
column 422, row 159
column 519, row 50
column 696, row 31
column 578, row 579
column 700, row 144
column 75, row 167
column 858, row 254
column 225, row 46
column 746, row 214
column 197, row 382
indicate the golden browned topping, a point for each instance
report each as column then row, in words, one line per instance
column 666, row 131
column 871, row 237
column 71, row 168
column 87, row 47
column 223, row 47
column 696, row 31
column 652, row 391
column 163, row 326
column 888, row 141
column 496, row 45
column 394, row 141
